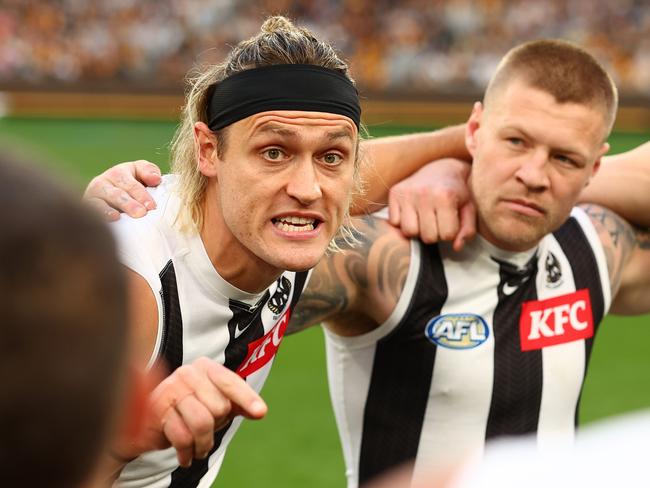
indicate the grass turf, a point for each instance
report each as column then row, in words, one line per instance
column 296, row 445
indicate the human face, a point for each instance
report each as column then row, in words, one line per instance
column 283, row 187
column 532, row 157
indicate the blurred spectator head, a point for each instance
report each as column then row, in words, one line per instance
column 64, row 333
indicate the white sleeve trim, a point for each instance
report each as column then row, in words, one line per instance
column 592, row 235
column 155, row 286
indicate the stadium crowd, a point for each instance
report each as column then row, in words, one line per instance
column 393, row 45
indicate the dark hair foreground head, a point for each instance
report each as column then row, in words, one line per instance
column 63, row 333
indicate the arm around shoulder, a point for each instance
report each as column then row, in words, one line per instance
column 627, row 250
column 623, row 185
column 355, row 289
column 388, row 160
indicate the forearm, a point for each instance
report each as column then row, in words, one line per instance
column 388, row 160
column 623, row 185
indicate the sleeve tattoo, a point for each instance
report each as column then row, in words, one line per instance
column 374, row 261
column 619, row 239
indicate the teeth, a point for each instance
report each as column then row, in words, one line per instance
column 304, row 226
column 296, row 220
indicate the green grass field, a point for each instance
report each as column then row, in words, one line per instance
column 297, row 445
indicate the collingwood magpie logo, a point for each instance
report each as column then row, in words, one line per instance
column 280, row 297
column 553, row 271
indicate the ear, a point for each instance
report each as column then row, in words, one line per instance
column 205, row 143
column 472, row 126
column 601, row 152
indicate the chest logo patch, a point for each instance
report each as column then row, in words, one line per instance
column 457, row 330
column 556, row 320
column 261, row 351
column 553, row 271
column 281, row 296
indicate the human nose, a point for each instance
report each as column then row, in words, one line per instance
column 533, row 170
column 303, row 183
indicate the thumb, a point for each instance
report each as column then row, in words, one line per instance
column 467, row 226
column 147, row 173
column 394, row 215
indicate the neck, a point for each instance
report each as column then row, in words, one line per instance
column 509, row 246
column 234, row 262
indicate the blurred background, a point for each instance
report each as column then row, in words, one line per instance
column 84, row 84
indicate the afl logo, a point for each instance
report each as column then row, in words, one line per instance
column 457, row 330
column 281, row 296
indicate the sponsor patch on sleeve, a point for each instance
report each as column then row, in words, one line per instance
column 557, row 320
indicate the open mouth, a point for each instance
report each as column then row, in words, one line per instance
column 295, row 224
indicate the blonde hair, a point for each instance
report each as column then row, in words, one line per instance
column 562, row 69
column 278, row 42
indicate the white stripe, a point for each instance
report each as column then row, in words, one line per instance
column 596, row 245
column 349, row 369
column 349, row 373
column 461, row 388
column 563, row 365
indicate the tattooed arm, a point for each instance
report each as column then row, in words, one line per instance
column 356, row 289
column 622, row 185
column 627, row 250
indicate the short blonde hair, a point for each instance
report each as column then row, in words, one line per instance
column 278, row 42
column 562, row 69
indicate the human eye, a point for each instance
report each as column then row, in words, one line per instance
column 273, row 154
column 515, row 141
column 332, row 159
column 566, row 160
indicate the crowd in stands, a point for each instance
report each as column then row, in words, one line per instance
column 396, row 46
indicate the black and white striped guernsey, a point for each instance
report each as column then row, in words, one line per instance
column 200, row 314
column 482, row 343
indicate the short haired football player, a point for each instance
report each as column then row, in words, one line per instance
column 431, row 350
column 265, row 162
column 64, row 350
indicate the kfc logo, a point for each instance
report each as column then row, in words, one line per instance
column 261, row 351
column 557, row 320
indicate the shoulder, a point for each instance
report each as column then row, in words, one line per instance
column 143, row 244
column 617, row 238
column 363, row 278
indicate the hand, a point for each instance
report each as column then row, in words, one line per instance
column 188, row 406
column 121, row 188
column 434, row 204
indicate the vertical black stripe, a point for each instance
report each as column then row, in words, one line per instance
column 401, row 378
column 244, row 327
column 171, row 346
column 584, row 265
column 517, row 384
column 299, row 285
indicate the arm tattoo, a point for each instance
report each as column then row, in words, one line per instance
column 394, row 260
column 343, row 276
column 642, row 238
column 619, row 239
column 323, row 295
